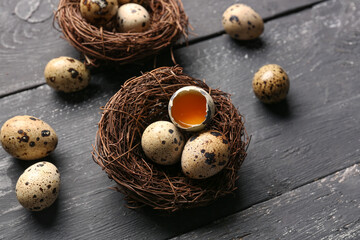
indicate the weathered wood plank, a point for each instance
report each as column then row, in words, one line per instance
column 28, row 40
column 326, row 209
column 315, row 133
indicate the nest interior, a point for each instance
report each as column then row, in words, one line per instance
column 105, row 44
column 141, row 101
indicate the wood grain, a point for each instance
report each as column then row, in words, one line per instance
column 313, row 134
column 28, row 40
column 326, row 209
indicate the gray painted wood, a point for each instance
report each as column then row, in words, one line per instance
column 326, row 209
column 28, row 40
column 313, row 134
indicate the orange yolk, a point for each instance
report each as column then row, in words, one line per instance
column 189, row 109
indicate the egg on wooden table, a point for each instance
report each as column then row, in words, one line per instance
column 98, row 12
column 205, row 154
column 162, row 142
column 28, row 138
column 191, row 108
column 38, row 187
column 241, row 22
column 271, row 83
column 66, row 74
column 133, row 18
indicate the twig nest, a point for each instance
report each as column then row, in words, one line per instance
column 241, row 22
column 103, row 44
column 271, row 84
column 142, row 101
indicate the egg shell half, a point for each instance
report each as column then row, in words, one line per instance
column 241, row 22
column 271, row 84
column 162, row 142
column 133, row 18
column 210, row 108
column 38, row 187
column 28, row 138
column 98, row 12
column 66, row 74
column 205, row 154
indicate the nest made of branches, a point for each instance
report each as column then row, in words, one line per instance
column 141, row 101
column 105, row 44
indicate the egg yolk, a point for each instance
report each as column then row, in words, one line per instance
column 189, row 109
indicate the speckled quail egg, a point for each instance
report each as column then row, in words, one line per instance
column 241, row 22
column 98, row 12
column 191, row 108
column 205, row 154
column 271, row 83
column 38, row 187
column 133, row 17
column 66, row 74
column 162, row 142
column 28, row 138
column 121, row 2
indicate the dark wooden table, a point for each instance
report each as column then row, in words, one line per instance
column 301, row 177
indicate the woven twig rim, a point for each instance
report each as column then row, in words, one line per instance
column 141, row 101
column 98, row 44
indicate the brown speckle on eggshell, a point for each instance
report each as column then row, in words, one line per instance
column 38, row 187
column 162, row 142
column 241, row 22
column 205, row 154
column 66, row 74
column 28, row 138
column 271, row 83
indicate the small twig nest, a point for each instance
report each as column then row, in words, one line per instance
column 141, row 101
column 105, row 44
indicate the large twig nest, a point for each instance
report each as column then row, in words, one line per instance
column 168, row 23
column 118, row 151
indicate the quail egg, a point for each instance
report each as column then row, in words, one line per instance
column 241, row 22
column 98, row 12
column 66, row 74
column 162, row 142
column 271, row 83
column 191, row 108
column 133, row 17
column 28, row 138
column 205, row 154
column 38, row 187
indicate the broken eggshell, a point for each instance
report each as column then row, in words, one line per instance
column 191, row 108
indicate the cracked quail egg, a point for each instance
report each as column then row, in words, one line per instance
column 133, row 17
column 191, row 108
column 66, row 74
column 271, row 83
column 205, row 154
column 38, row 187
column 162, row 142
column 98, row 12
column 241, row 22
column 28, row 138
